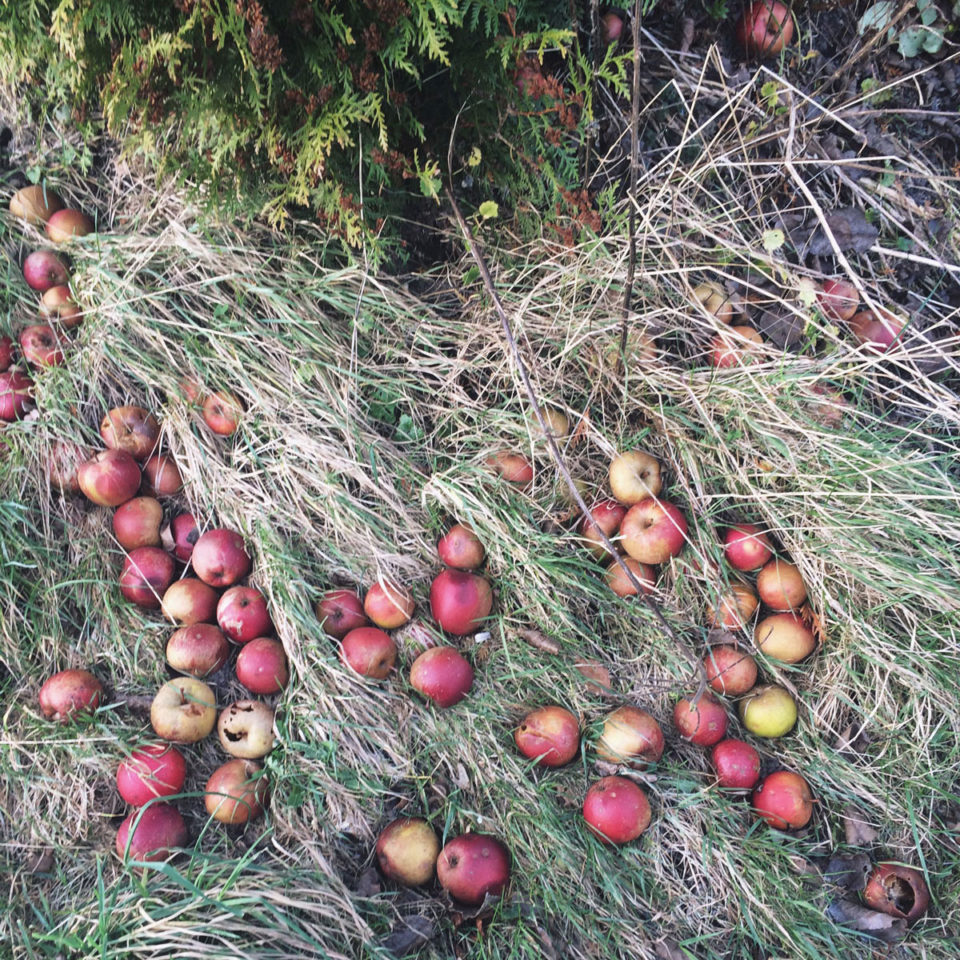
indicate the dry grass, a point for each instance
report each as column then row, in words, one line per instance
column 371, row 409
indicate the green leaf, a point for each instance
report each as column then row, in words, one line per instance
column 475, row 157
column 910, row 41
column 773, row 240
column 489, row 210
column 876, row 17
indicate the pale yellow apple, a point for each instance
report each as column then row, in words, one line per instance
column 634, row 476
column 768, row 711
column 246, row 729
column 184, row 710
column 407, row 851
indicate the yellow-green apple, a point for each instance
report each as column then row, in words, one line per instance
column 838, row 299
column 897, row 890
column 735, row 347
column 65, row 224
column 388, row 605
column 262, row 666
column 188, row 601
column 784, row 636
column 407, row 851
column 236, row 792
column 110, row 478
column 714, row 300
column 161, row 476
column 69, row 694
column 245, row 729
column 768, row 711
column 136, row 523
column 703, row 723
column 618, row 582
column 653, row 531
column 877, row 329
column 607, row 515
column 746, row 546
column 242, row 614
column 460, row 601
column 185, row 533
column 65, row 459
column 58, row 306
column 557, row 422
column 460, row 548
column 472, row 867
column 43, row 269
column 616, row 810
column 16, row 395
column 549, row 735
column 781, row 586
column 6, row 353
column 184, row 710
column 734, row 609
column 151, row 833
column 219, row 558
column 340, row 611
column 35, row 203
column 632, row 737
column 222, row 412
column 784, row 799
column 147, row 573
column 369, row 651
column 737, row 764
column 40, row 346
column 199, row 649
column 132, row 429
column 730, row 670
column 515, row 468
column 634, row 476
column 442, row 674
column 765, row 27
column 151, row 771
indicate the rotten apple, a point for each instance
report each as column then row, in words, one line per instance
column 40, row 346
column 35, row 203
column 245, row 729
column 131, row 429
column 734, row 609
column 58, row 306
column 185, row 533
column 549, row 735
column 184, row 710
column 897, row 890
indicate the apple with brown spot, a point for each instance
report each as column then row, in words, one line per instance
column 245, row 729
column 407, row 851
column 147, row 573
column 199, row 650
column 472, row 867
column 185, row 534
column 184, row 710
column 341, row 611
column 550, row 735
column 897, row 890
column 137, row 522
column 838, row 299
column 70, row 694
column 41, row 346
column 243, row 615
column 130, row 428
column 734, row 609
column 616, row 810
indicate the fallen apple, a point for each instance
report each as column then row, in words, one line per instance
column 184, row 710
column 262, row 666
column 616, row 810
column 634, row 476
column 243, row 615
column 188, row 601
column 877, row 330
column 6, row 353
column 703, row 723
column 35, row 203
column 136, row 523
column 472, row 867
column 388, row 606
column 737, row 764
column 784, row 800
column 897, row 890
column 407, row 851
column 339, row 612
column 630, row 736
column 65, row 224
column 222, row 412
column 41, row 346
column 714, row 300
column 606, row 516
column 729, row 670
column 768, row 711
column 236, row 792
column 515, row 468
column 765, row 27
column 735, row 346
column 245, row 729
column 653, row 531
column 549, row 735
column 151, row 771
column 131, row 429
column 110, row 478
column 58, row 306
column 838, row 299
column 611, row 27
column 220, row 558
column 734, row 609
column 442, row 674
column 147, row 573
column 784, row 636
column 746, row 546
column 151, row 833
column 70, row 694
column 781, row 586
column 161, row 476
column 618, row 582
column 460, row 601
column 198, row 650
column 185, row 533
column 558, row 424
column 460, row 548
column 369, row 651
column 43, row 269
column 16, row 395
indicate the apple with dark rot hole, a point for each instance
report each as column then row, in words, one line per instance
column 897, row 890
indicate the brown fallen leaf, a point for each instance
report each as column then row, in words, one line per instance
column 597, row 674
column 537, row 638
column 850, row 873
column 858, row 832
column 368, row 884
column 40, row 861
column 668, row 949
column 851, row 914
column 409, row 933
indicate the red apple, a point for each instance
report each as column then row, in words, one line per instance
column 635, row 476
column 43, row 269
column 611, row 27
column 16, row 395
column 407, row 851
column 58, row 306
column 198, row 650
column 784, row 636
column 460, row 601
column 110, row 478
column 236, row 792
column 369, row 651
column 242, row 614
column 219, row 558
column 653, row 531
column 460, row 548
column 146, row 575
column 838, row 299
column 630, row 736
column 746, row 547
column 154, row 770
column 262, row 666
column 340, row 611
column 730, row 670
column 132, row 429
column 737, row 764
column 64, row 462
column 69, row 694
column 40, row 346
column 765, row 27
column 607, row 515
column 784, row 800
column 549, row 735
column 190, row 601
column 6, row 353
column 222, row 412
column 616, row 810
column 704, row 723
column 472, row 867
column 735, row 347
column 617, row 580
column 151, row 833
column 781, row 586
column 35, row 203
column 185, row 533
column 136, row 523
column 442, row 674
column 513, row 467
column 161, row 476
column 877, row 330
column 734, row 609
column 65, row 224
column 184, row 710
column 897, row 890
column 388, row 605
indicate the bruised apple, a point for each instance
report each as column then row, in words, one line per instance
column 109, row 478
column 184, row 710
column 407, row 851
column 784, row 800
column 339, row 612
column 703, row 723
column 784, row 636
column 220, row 558
column 634, row 476
column 632, row 737
column 472, row 867
column 616, row 810
column 460, row 601
column 262, row 666
column 549, row 735
column 185, row 533
column 151, row 771
column 35, row 203
column 161, row 476
column 369, row 651
column 151, row 833
column 69, row 694
column 43, row 269
column 389, row 606
column 730, row 670
column 606, row 516
column 40, row 346
column 222, row 412
column 653, row 531
column 734, row 609
column 58, row 306
column 136, row 523
column 737, row 764
column 781, row 586
column 442, row 674
column 460, row 548
column 199, row 650
column 246, row 729
column 147, row 573
column 189, row 601
column 242, row 614
column 619, row 583
column 897, row 890
column 746, row 546
column 236, row 792
column 131, row 429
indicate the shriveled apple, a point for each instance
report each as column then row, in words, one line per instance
column 131, row 429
